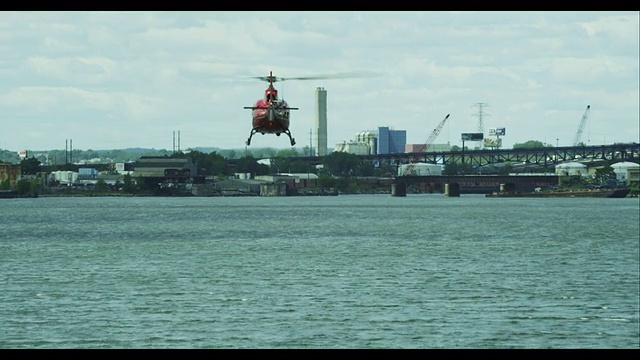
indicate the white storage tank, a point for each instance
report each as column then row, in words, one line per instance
column 358, row 148
column 571, row 168
column 340, row 147
column 66, row 177
column 621, row 168
column 353, row 147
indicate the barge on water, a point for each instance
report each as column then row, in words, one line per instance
column 593, row 193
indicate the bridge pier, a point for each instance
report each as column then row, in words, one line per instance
column 452, row 189
column 399, row 189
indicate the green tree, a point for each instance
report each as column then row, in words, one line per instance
column 301, row 166
column 91, row 154
column 30, row 166
column 604, row 174
column 143, row 186
column 269, row 153
column 128, row 186
column 345, row 184
column 282, row 164
column 101, row 185
column 340, row 163
column 364, row 168
column 385, row 170
column 26, row 187
column 249, row 164
column 531, row 144
column 457, row 169
column 208, row 164
column 288, row 153
column 109, row 169
column 326, row 181
column 572, row 181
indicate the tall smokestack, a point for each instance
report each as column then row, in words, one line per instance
column 321, row 122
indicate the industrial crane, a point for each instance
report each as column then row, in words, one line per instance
column 585, row 117
column 423, row 147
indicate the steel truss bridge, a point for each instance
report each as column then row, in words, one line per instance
column 548, row 156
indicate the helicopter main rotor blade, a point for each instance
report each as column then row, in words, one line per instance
column 347, row 75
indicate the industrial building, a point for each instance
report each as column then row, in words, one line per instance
column 10, row 174
column 365, row 143
column 626, row 172
column 165, row 167
column 391, row 141
column 370, row 143
column 382, row 141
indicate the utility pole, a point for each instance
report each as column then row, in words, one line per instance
column 310, row 142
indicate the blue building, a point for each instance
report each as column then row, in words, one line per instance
column 391, row 141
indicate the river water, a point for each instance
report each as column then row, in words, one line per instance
column 347, row 271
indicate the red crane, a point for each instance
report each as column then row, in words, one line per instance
column 423, row 147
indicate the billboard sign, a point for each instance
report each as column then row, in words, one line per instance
column 500, row 131
column 472, row 136
column 492, row 132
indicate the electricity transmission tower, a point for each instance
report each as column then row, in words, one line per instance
column 480, row 115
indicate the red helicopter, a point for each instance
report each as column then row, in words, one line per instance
column 270, row 115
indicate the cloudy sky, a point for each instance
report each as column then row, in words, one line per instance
column 114, row 80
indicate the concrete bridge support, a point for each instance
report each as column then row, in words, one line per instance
column 452, row 189
column 399, row 189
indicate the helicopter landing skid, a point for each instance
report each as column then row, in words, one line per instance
column 248, row 142
column 293, row 141
column 253, row 131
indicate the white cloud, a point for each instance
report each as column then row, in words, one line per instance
column 141, row 75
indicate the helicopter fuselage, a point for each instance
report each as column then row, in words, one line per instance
column 270, row 117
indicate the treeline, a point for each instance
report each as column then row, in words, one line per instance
column 58, row 157
column 338, row 170
column 337, row 164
